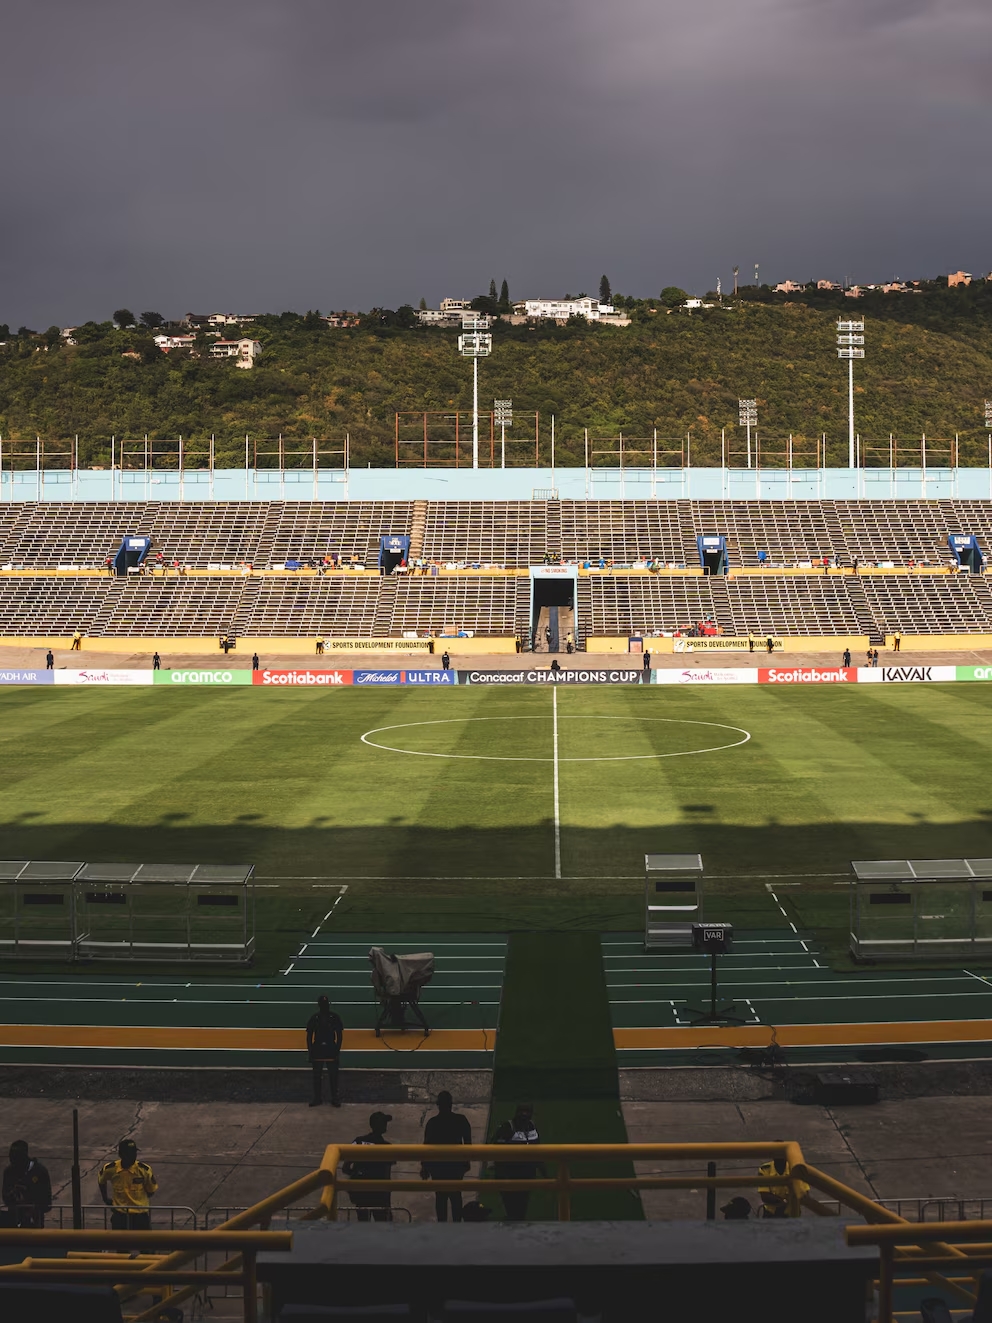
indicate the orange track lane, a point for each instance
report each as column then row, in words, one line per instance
column 806, row 1035
column 233, row 1040
column 191, row 1039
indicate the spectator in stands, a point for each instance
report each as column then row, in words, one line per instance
column 854, row 565
column 445, row 660
column 846, row 660
column 254, row 661
column 523, row 1132
column 77, row 640
column 156, row 662
column 49, row 660
column 547, row 636
column 27, row 1188
column 131, row 1185
column 447, row 1127
column 325, row 1034
column 375, row 1205
column 109, row 566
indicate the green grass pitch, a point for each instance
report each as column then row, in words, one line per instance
column 452, row 828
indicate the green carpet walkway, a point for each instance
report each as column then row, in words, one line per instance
column 555, row 1051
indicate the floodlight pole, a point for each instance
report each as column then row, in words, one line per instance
column 475, row 412
column 849, row 347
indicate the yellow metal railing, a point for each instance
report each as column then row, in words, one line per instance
column 165, row 1257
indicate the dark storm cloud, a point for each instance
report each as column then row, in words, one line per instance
column 297, row 153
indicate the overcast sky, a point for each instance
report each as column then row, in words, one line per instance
column 250, row 155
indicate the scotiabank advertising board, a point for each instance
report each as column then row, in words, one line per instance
column 301, row 679
column 808, row 675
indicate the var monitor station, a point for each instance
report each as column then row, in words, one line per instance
column 673, row 899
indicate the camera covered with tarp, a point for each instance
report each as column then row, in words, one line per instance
column 397, row 981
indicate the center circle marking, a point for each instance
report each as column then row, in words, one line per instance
column 618, row 758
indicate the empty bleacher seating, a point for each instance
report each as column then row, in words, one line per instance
column 787, row 532
column 626, row 531
column 929, row 603
column 311, row 608
column 628, row 604
column 350, row 529
column 511, row 533
column 790, row 604
column 483, row 605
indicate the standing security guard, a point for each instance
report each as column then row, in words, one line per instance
column 325, row 1034
column 131, row 1185
column 27, row 1188
column 775, row 1196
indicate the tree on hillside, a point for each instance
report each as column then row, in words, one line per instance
column 672, row 296
column 151, row 320
column 485, row 303
column 605, row 293
column 492, row 291
column 124, row 317
column 423, row 305
column 504, row 297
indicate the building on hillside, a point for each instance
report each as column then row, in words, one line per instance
column 450, row 313
column 342, row 319
column 692, row 305
column 828, row 284
column 215, row 319
column 167, row 342
column 959, row 278
column 788, row 287
column 560, row 310
column 855, row 292
column 244, row 351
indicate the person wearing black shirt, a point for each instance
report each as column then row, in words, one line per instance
column 27, row 1188
column 156, row 662
column 447, row 1127
column 374, row 1205
column 520, row 1131
column 325, row 1033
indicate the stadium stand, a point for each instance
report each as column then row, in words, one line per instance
column 305, row 530
column 627, row 604
column 511, row 533
column 624, row 531
column 928, row 604
column 496, row 606
column 790, row 605
column 787, row 532
column 237, row 550
column 310, row 608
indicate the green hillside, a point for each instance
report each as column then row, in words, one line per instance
column 928, row 369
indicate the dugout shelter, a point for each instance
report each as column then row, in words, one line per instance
column 161, row 913
column 929, row 909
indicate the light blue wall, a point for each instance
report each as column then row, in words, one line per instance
column 499, row 484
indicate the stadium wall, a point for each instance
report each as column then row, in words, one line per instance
column 796, row 643
column 282, row 646
column 517, row 484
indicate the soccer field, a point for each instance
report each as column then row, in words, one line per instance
column 479, row 808
column 457, row 819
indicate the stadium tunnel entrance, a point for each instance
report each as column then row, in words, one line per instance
column 131, row 553
column 552, row 607
column 966, row 551
column 394, row 549
column 712, row 552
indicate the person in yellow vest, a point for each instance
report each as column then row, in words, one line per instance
column 775, row 1198
column 131, row 1184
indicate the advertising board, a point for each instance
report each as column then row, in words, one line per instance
column 431, row 677
column 808, row 675
column 377, row 645
column 201, row 677
column 972, row 672
column 905, row 674
column 27, row 677
column 378, row 677
column 550, row 677
column 706, row 675
column 717, row 644
column 100, row 676
column 304, row 679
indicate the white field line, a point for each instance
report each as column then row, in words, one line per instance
column 292, row 964
column 554, row 738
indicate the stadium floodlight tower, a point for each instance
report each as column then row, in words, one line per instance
column 475, row 343
column 747, row 416
column 850, row 342
column 503, row 414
